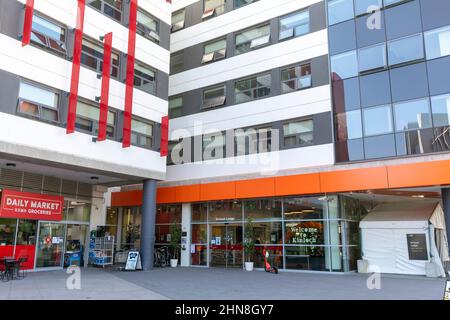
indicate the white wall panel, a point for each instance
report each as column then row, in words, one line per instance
column 282, row 107
column 255, row 165
column 37, row 65
column 281, row 54
column 51, row 143
column 235, row 20
column 97, row 24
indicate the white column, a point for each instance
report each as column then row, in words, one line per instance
column 98, row 207
column 186, row 211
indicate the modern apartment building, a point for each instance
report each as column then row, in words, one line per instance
column 83, row 106
column 306, row 116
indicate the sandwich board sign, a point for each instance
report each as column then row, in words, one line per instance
column 133, row 261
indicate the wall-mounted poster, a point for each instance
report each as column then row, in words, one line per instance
column 417, row 246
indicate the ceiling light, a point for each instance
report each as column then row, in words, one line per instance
column 418, row 196
column 94, row 178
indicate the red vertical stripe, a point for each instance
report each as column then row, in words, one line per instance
column 106, row 75
column 28, row 23
column 126, row 142
column 76, row 61
column 164, row 136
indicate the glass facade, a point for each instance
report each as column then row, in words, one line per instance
column 389, row 90
column 300, row 233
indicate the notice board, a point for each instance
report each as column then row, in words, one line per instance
column 417, row 246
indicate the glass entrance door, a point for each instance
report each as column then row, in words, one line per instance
column 226, row 246
column 50, row 246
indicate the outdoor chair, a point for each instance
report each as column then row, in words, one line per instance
column 21, row 267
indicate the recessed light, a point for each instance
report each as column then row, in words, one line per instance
column 418, row 196
column 94, row 178
column 10, row 164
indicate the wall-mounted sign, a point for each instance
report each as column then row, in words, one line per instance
column 417, row 246
column 225, row 219
column 26, row 205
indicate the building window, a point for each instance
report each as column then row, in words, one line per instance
column 252, row 88
column 437, row 42
column 38, row 103
column 141, row 134
column 372, row 58
column 298, row 133
column 252, row 39
column 178, row 20
column 340, row 10
column 144, row 78
column 211, row 143
column 378, row 120
column 88, row 117
column 92, row 57
column 147, row 26
column 362, row 6
column 251, row 141
column 175, row 107
column 349, row 125
column 213, row 8
column 412, row 115
column 111, row 8
column 441, row 110
column 214, row 97
column 7, row 231
column 49, row 36
column 296, row 78
column 294, row 25
column 345, row 65
column 241, row 3
column 405, row 49
column 176, row 62
column 214, row 51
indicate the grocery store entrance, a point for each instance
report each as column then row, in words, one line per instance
column 226, row 248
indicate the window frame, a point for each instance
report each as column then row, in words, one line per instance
column 141, row 135
column 215, row 55
column 218, row 103
column 298, row 135
column 102, row 9
column 155, row 82
column 245, row 4
column 258, row 129
column 171, row 116
column 100, row 61
column 294, row 66
column 95, row 123
column 294, row 35
column 146, row 32
column 180, row 24
column 212, row 13
column 47, row 47
column 178, row 53
column 252, row 90
column 39, row 105
column 407, row 62
column 240, row 32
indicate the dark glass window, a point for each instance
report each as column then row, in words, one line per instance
column 403, row 20
column 346, row 95
column 372, row 58
column 141, row 133
column 441, row 110
column 147, row 26
column 345, row 65
column 111, row 8
column 378, row 120
column 213, row 8
column 411, row 115
column 365, row 6
column 144, row 78
column 342, row 37
column 375, row 89
column 252, row 39
column 295, row 78
column 250, row 141
column 298, row 133
column 7, row 231
column 88, row 117
column 48, row 35
column 437, row 42
column 214, row 97
column 176, row 62
column 438, row 77
column 252, row 88
column 350, row 150
column 214, row 51
column 92, row 57
column 349, row 125
column 414, row 142
column 340, row 10
column 379, row 147
column 294, row 25
column 366, row 36
column 178, row 20
column 409, row 82
column 405, row 49
column 175, row 107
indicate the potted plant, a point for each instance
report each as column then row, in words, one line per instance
column 175, row 243
column 249, row 244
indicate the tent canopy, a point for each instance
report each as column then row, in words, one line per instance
column 400, row 215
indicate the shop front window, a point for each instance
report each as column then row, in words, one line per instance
column 224, row 211
column 131, row 228
column 26, row 232
column 303, row 208
column 7, row 231
column 263, row 209
column 306, row 258
column 77, row 211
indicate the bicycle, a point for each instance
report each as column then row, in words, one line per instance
column 161, row 257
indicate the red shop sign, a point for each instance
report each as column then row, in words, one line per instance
column 26, row 205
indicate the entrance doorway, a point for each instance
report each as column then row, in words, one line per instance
column 226, row 248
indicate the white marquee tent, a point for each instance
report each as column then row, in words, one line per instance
column 405, row 238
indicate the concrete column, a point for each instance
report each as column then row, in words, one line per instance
column 186, row 234
column 148, row 224
column 446, row 204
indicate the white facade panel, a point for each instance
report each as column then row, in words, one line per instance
column 274, row 56
column 37, row 65
column 282, row 107
column 262, row 165
column 29, row 138
column 235, row 20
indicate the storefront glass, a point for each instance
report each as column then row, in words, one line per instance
column 7, row 231
column 27, row 232
column 50, row 247
column 221, row 211
column 263, row 209
column 75, row 211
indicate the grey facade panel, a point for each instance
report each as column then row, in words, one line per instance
column 318, row 17
column 9, row 92
column 11, row 18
